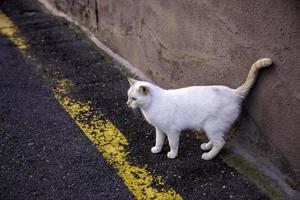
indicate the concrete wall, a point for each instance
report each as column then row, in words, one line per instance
column 198, row 42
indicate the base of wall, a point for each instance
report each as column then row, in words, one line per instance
column 93, row 38
column 264, row 174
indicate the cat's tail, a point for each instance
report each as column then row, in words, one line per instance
column 244, row 89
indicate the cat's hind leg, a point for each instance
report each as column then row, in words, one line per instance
column 207, row 146
column 159, row 141
column 217, row 142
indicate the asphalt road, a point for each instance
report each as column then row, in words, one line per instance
column 44, row 153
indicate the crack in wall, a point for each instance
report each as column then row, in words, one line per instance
column 97, row 14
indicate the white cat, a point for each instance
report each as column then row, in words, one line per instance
column 212, row 109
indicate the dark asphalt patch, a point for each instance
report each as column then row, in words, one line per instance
column 44, row 155
column 98, row 80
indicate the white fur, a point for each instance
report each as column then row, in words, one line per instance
column 212, row 109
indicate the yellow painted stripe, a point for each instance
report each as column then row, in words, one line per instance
column 8, row 29
column 106, row 137
column 111, row 142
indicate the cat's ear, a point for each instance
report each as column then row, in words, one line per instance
column 144, row 90
column 131, row 80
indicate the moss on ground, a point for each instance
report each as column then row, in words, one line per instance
column 255, row 175
column 248, row 169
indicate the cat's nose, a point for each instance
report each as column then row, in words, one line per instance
column 128, row 102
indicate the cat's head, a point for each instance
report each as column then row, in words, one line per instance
column 139, row 94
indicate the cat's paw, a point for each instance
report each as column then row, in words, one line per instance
column 206, row 146
column 206, row 156
column 172, row 155
column 155, row 149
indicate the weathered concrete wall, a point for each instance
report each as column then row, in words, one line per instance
column 197, row 42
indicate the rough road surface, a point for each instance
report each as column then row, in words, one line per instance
column 50, row 150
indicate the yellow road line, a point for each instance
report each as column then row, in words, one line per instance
column 111, row 142
column 8, row 29
column 105, row 136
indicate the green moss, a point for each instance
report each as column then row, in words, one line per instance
column 248, row 169
column 255, row 175
column 200, row 136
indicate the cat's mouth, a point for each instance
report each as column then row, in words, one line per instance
column 132, row 106
column 129, row 102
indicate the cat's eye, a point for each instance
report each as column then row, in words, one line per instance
column 133, row 98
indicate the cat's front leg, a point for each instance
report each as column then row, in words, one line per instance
column 174, row 144
column 159, row 141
